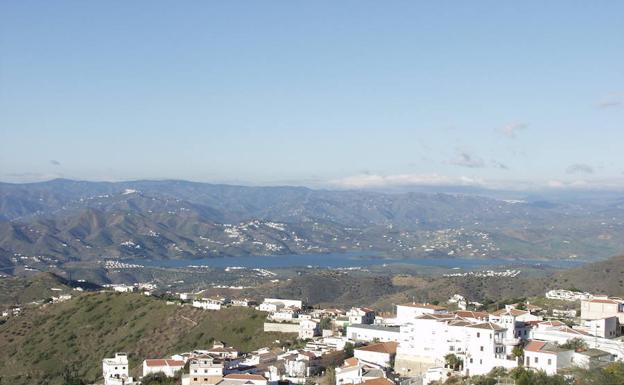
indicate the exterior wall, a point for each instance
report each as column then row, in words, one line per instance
column 281, row 327
column 591, row 310
column 375, row 358
column 169, row 371
column 356, row 333
column 285, row 302
column 407, row 313
column 549, row 362
column 207, row 305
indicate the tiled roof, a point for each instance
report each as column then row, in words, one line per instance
column 253, row 377
column 383, row 347
column 163, row 362
column 379, row 381
column 424, row 306
column 513, row 312
column 350, row 362
column 472, row 314
column 487, row 325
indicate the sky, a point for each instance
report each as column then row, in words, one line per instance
column 349, row 94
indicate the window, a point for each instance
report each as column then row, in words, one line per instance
column 478, row 335
column 481, row 348
column 471, row 360
column 480, row 362
column 549, row 361
column 535, row 360
column 195, row 379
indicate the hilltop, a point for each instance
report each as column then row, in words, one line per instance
column 38, row 346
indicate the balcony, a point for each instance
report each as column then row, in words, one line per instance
column 511, row 341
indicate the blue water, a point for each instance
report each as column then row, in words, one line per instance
column 336, row 260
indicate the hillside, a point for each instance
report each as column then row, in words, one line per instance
column 15, row 290
column 50, row 223
column 77, row 334
column 600, row 277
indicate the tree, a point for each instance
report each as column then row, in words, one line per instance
column 576, row 344
column 453, row 362
column 348, row 350
column 326, row 324
column 518, row 352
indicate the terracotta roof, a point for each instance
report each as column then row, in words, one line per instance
column 487, row 325
column 350, row 362
column 609, row 301
column 424, row 306
column 163, row 362
column 543, row 347
column 382, row 347
column 379, row 381
column 534, row 346
column 551, row 323
column 513, row 312
column 253, row 377
column 472, row 314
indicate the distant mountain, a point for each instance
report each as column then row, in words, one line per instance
column 53, row 222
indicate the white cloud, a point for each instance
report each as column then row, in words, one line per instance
column 512, row 129
column 464, row 159
column 376, row 180
column 580, row 168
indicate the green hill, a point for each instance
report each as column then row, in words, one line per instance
column 14, row 290
column 38, row 346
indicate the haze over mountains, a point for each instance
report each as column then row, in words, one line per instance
column 64, row 220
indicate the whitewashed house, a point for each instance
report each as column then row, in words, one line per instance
column 168, row 367
column 547, row 356
column 203, row 370
column 380, row 355
column 355, row 372
column 115, row 370
column 408, row 312
column 372, row 333
column 209, row 303
column 309, row 329
column 361, row 315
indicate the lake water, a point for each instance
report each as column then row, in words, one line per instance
column 337, row 260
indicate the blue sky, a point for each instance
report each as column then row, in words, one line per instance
column 339, row 94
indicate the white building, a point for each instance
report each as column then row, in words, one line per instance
column 309, row 329
column 370, row 333
column 187, row 296
column 361, row 315
column 380, row 355
column 209, row 303
column 115, row 370
column 203, row 370
column 516, row 323
column 430, row 337
column 603, row 327
column 274, row 304
column 567, row 295
column 408, row 312
column 124, row 288
column 562, row 334
column 355, row 372
column 599, row 308
column 546, row 356
column 168, row 367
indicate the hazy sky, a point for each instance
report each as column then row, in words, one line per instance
column 332, row 93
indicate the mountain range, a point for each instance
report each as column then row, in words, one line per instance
column 50, row 223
